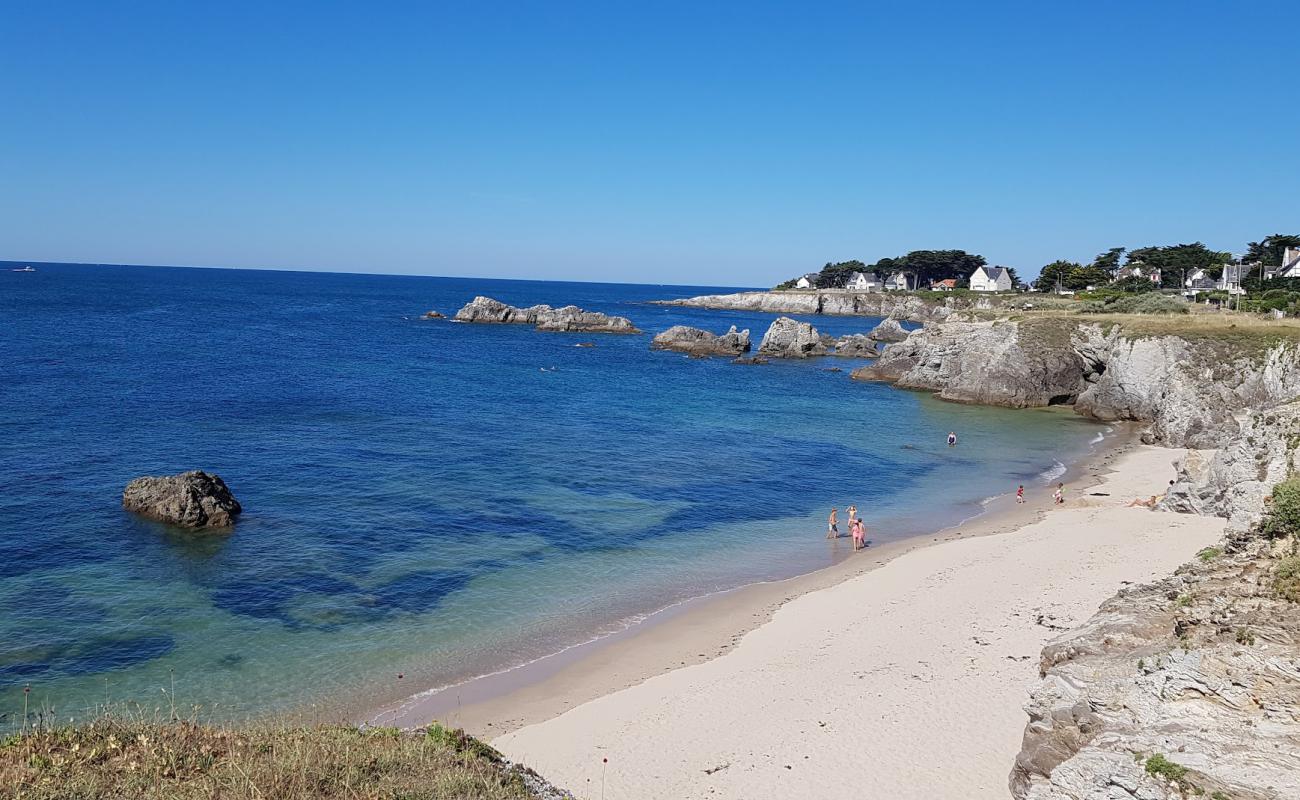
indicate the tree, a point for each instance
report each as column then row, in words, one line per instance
column 1134, row 285
column 1268, row 251
column 1016, row 283
column 1109, row 260
column 928, row 266
column 1083, row 277
column 1176, row 261
column 1054, row 274
column 836, row 276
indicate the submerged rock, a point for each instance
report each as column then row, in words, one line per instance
column 889, row 330
column 790, row 338
column 702, row 343
column 750, row 360
column 543, row 317
column 192, row 499
column 856, row 345
column 432, row 315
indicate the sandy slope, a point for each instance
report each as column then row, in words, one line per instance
column 904, row 682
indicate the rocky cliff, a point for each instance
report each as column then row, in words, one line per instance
column 838, row 303
column 701, row 343
column 543, row 317
column 1190, row 392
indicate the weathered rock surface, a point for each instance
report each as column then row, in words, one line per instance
column 543, row 317
column 855, row 345
column 888, row 331
column 790, row 338
column 836, row 303
column 702, row 343
column 192, row 499
column 1202, row 669
column 1190, row 392
column 990, row 363
column 432, row 315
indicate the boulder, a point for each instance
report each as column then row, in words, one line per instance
column 889, row 330
column 750, row 360
column 702, row 343
column 432, row 315
column 192, row 499
column 790, row 338
column 856, row 345
column 543, row 317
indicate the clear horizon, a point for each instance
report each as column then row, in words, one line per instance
column 733, row 145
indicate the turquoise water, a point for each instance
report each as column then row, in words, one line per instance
column 421, row 498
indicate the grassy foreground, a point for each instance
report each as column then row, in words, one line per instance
column 112, row 758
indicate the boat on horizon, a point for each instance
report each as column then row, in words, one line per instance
column 28, row 268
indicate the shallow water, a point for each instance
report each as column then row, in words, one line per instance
column 421, row 497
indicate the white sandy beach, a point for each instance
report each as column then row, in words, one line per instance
column 906, row 681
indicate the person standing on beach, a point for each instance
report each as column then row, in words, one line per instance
column 1020, row 494
column 1058, row 497
column 832, row 527
column 853, row 514
column 859, row 534
column 952, row 438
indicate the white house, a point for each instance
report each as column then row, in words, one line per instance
column 863, row 282
column 1233, row 275
column 991, row 279
column 1137, row 271
column 1290, row 264
column 899, row 282
column 808, row 281
column 1198, row 280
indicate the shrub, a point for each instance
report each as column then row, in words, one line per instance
column 1286, row 578
column 1149, row 303
column 1210, row 553
column 1161, row 767
column 1283, row 518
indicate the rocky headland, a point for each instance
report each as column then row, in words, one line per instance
column 192, row 499
column 702, row 343
column 543, row 317
column 838, row 303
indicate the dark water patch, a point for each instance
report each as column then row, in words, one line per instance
column 83, row 657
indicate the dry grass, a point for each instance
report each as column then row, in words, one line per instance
column 112, row 758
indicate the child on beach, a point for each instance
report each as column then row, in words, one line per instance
column 832, row 528
column 1020, row 494
column 1058, row 497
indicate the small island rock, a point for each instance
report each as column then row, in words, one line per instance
column 698, row 342
column 856, row 345
column 790, row 338
column 192, row 499
column 543, row 317
column 889, row 330
column 432, row 315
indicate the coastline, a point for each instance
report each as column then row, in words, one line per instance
column 699, row 629
column 908, row 682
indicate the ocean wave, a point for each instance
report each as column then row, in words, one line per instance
column 1053, row 472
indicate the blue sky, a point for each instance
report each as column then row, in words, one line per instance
column 707, row 143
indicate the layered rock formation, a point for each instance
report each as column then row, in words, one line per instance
column 543, row 317
column 888, row 331
column 1189, row 391
column 702, row 343
column 192, row 499
column 855, row 345
column 839, row 303
column 790, row 338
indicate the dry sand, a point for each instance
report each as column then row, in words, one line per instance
column 905, row 681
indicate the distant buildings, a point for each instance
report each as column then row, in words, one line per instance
column 864, row 282
column 991, row 279
column 1290, row 264
column 900, row 282
column 808, row 281
column 944, row 285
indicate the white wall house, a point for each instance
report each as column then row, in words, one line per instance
column 863, row 282
column 1198, row 280
column 808, row 281
column 1290, row 264
column 991, row 279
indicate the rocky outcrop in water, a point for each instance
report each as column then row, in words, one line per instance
column 855, row 345
column 192, row 499
column 790, row 338
column 836, row 303
column 698, row 342
column 432, row 315
column 543, row 317
column 888, row 331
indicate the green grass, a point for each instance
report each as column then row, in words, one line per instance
column 1209, row 554
column 111, row 758
column 1286, row 578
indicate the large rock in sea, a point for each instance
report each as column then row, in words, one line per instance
column 702, row 343
column 543, row 317
column 192, row 499
column 889, row 330
column 855, row 345
column 790, row 338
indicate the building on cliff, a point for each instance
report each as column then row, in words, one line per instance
column 991, row 279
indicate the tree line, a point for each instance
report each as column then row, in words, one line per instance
column 1174, row 263
column 923, row 266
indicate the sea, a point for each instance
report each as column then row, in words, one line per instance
column 424, row 501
